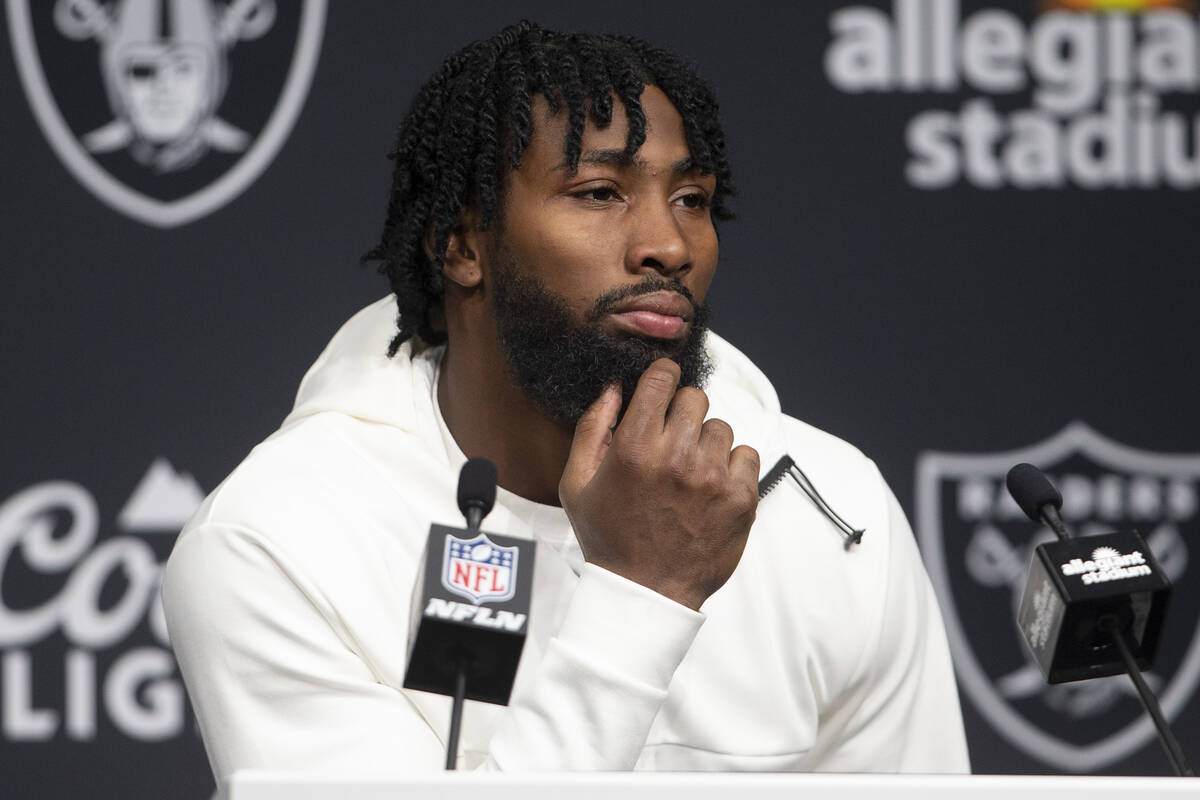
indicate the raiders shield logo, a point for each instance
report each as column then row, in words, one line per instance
column 479, row 569
column 166, row 109
column 977, row 546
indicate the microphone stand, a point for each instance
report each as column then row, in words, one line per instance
column 474, row 519
column 1040, row 501
column 1112, row 626
column 456, row 711
column 1166, row 737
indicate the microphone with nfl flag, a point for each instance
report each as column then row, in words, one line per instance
column 470, row 606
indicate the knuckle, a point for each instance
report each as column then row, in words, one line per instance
column 713, row 479
column 752, row 454
column 745, row 497
column 681, row 470
column 632, row 459
column 747, row 454
column 719, row 429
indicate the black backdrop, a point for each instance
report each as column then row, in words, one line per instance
column 915, row 322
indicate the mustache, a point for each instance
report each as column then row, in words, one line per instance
column 607, row 302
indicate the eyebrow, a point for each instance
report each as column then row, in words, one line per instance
column 621, row 158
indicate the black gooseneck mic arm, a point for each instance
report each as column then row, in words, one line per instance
column 1051, row 517
column 1040, row 501
column 1166, row 737
column 476, row 496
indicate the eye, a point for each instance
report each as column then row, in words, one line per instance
column 694, row 200
column 598, row 194
column 141, row 70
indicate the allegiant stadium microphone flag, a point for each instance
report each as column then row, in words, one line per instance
column 1076, row 584
column 940, row 204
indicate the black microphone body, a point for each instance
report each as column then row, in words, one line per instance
column 1077, row 589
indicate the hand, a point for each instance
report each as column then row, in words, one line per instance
column 661, row 500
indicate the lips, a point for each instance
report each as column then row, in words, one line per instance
column 658, row 315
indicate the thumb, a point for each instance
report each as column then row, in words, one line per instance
column 593, row 433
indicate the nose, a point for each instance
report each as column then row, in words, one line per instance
column 658, row 243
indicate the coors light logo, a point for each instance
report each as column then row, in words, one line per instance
column 166, row 109
column 978, row 545
column 87, row 676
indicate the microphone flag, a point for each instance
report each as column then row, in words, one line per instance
column 1072, row 585
column 470, row 607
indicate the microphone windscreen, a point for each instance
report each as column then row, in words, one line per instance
column 477, row 485
column 1032, row 490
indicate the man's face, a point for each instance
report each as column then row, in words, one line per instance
column 596, row 273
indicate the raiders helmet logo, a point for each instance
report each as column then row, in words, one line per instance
column 166, row 109
column 977, row 546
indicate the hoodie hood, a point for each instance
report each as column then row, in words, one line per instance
column 354, row 376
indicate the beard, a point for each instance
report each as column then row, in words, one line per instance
column 563, row 365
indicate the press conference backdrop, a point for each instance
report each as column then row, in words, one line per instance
column 967, row 236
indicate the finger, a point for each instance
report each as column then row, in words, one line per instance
column 744, row 466
column 593, row 433
column 686, row 414
column 647, row 411
column 716, row 437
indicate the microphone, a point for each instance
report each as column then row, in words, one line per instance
column 476, row 490
column 470, row 608
column 1092, row 607
column 1074, row 583
column 1037, row 497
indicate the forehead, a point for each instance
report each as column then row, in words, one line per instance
column 665, row 142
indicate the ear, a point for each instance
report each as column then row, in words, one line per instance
column 461, row 261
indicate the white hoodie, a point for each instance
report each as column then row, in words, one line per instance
column 288, row 594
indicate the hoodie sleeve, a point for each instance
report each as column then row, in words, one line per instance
column 601, row 682
column 275, row 684
column 902, row 712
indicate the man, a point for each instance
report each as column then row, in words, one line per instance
column 550, row 240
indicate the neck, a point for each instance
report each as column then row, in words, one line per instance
column 489, row 415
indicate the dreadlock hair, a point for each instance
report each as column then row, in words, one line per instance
column 472, row 122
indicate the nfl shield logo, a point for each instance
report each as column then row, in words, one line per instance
column 479, row 569
column 977, row 546
column 166, row 109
